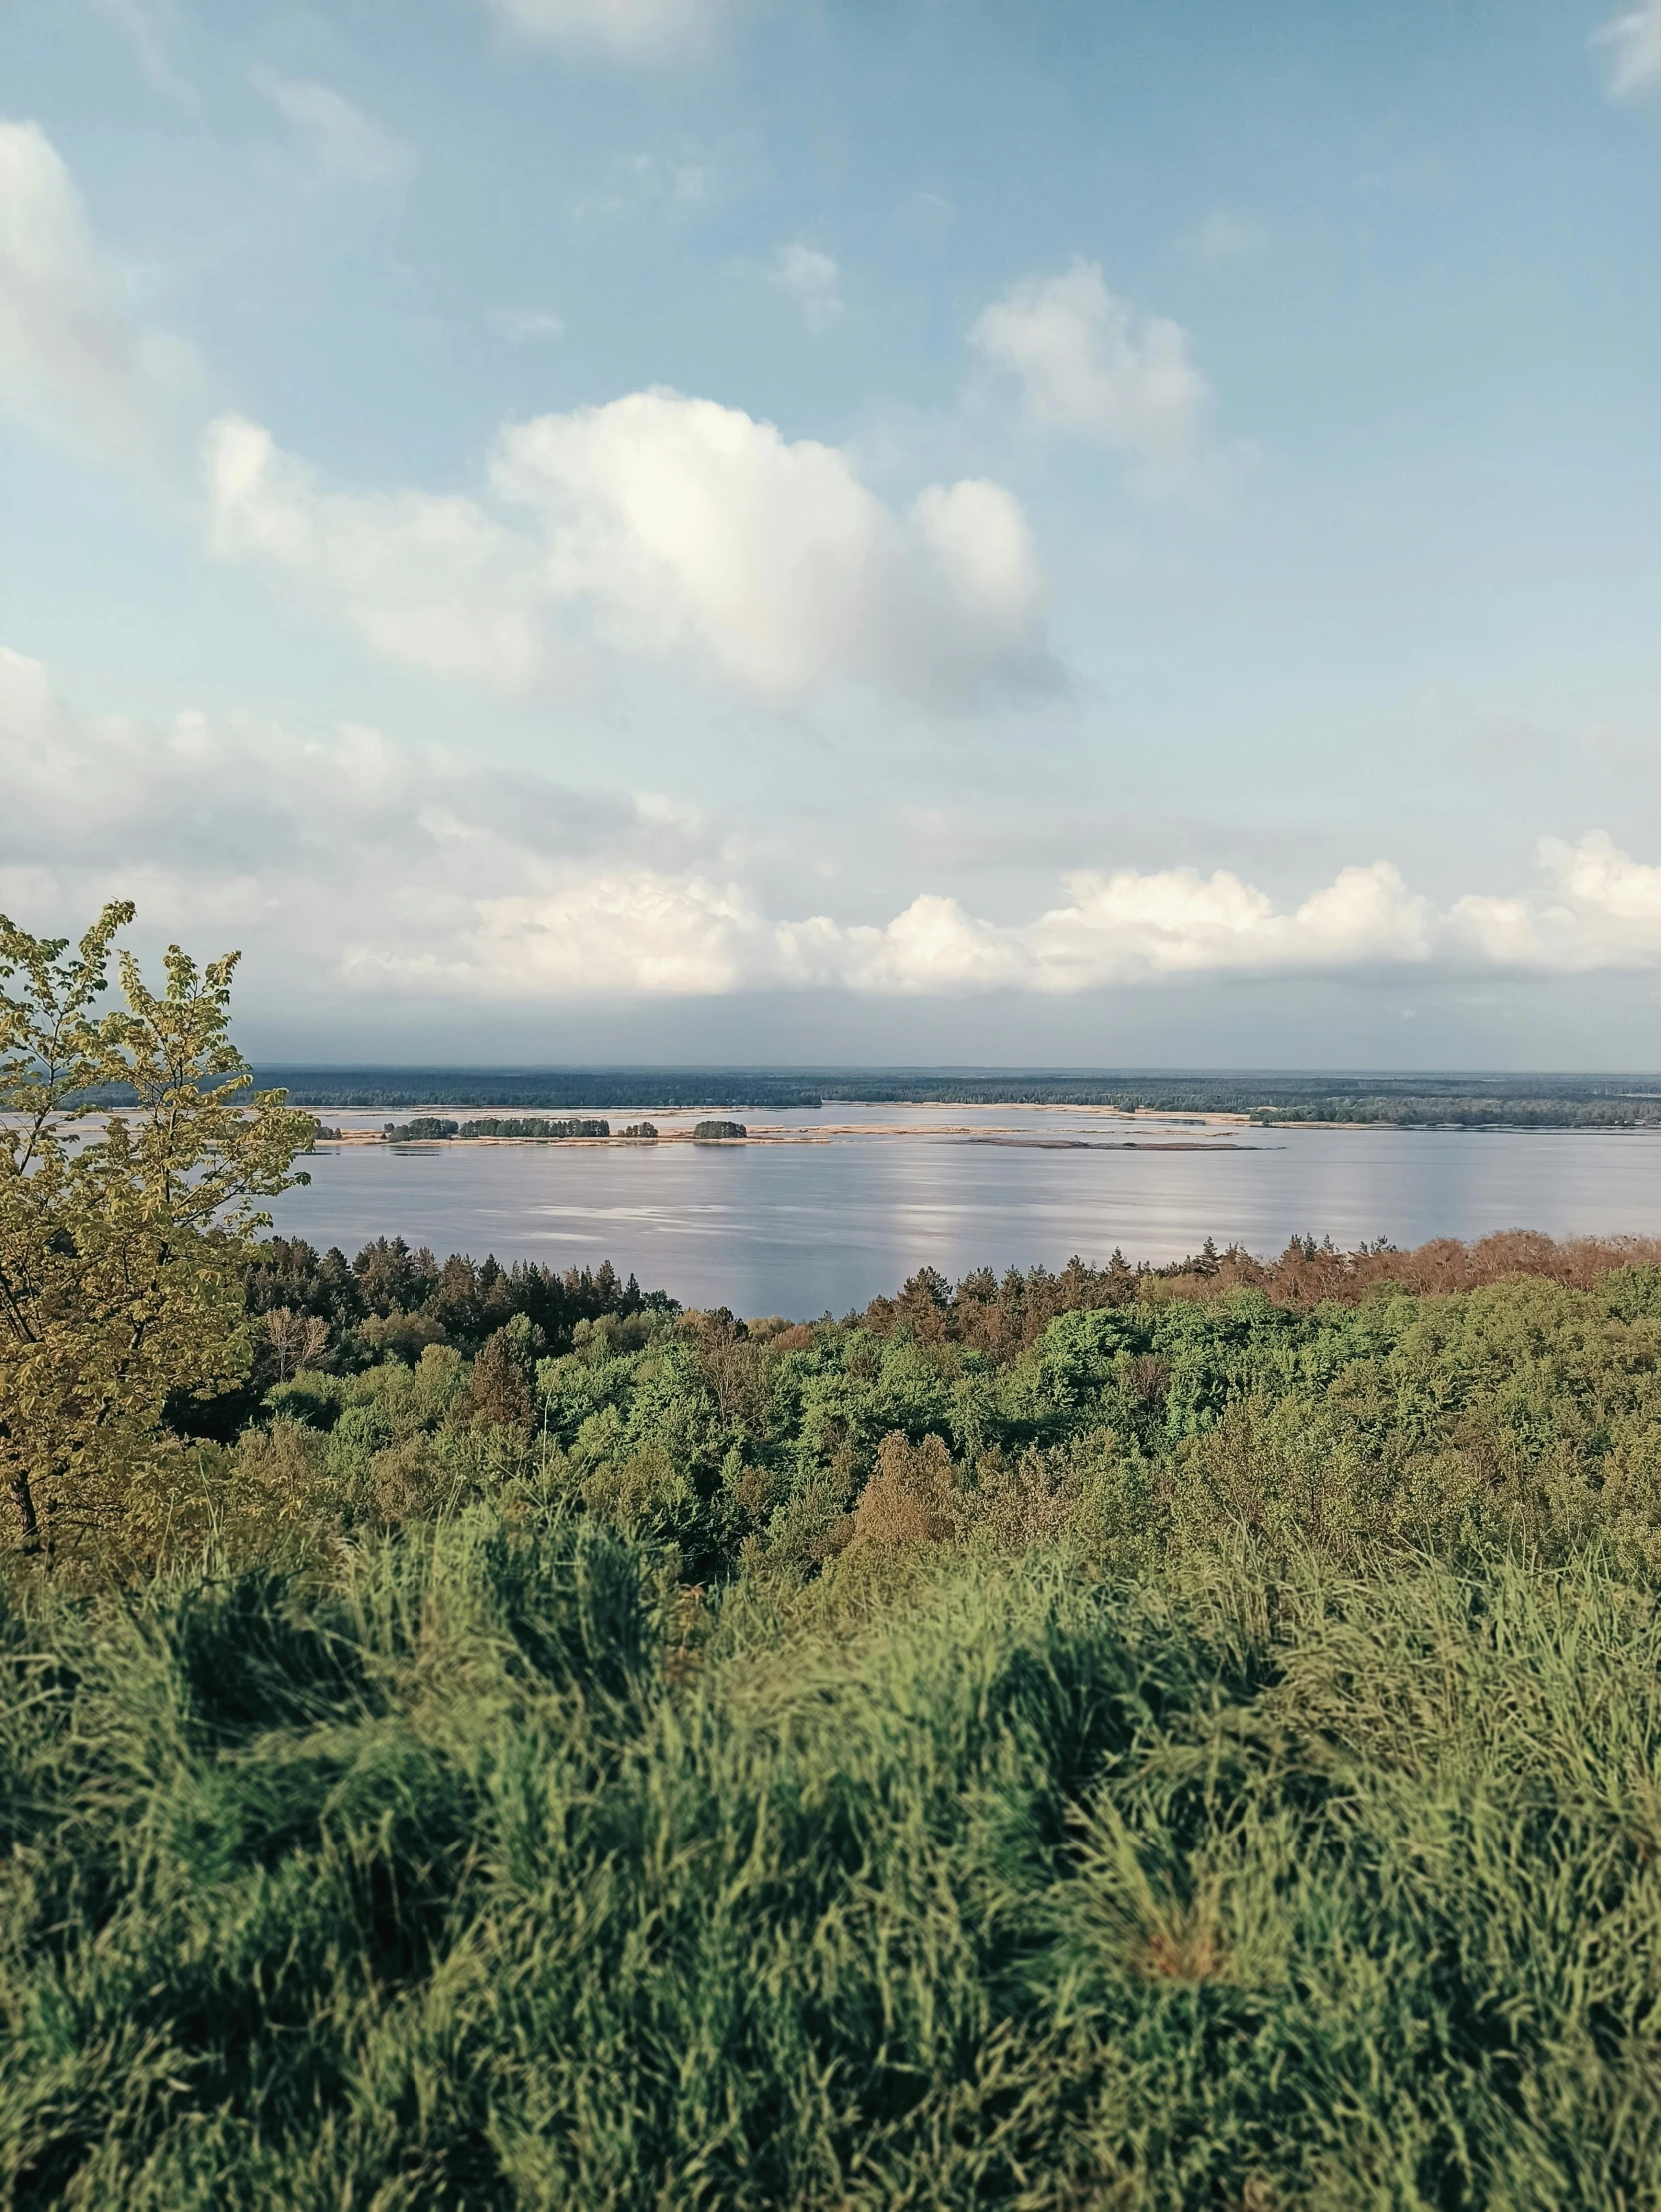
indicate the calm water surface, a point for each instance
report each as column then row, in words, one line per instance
column 802, row 1229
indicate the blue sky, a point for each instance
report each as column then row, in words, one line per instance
column 707, row 528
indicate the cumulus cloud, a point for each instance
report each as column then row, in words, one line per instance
column 348, row 863
column 813, row 281
column 432, row 580
column 693, row 530
column 1600, row 909
column 627, row 30
column 1127, row 926
column 669, row 527
column 342, row 141
column 1124, row 928
column 1634, row 42
column 1091, row 369
column 672, row 528
column 75, row 368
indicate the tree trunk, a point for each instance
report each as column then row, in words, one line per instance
column 23, row 1497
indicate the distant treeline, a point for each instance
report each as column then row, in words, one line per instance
column 572, row 1089
column 1410, row 1100
column 429, row 1129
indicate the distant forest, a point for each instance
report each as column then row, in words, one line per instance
column 1410, row 1100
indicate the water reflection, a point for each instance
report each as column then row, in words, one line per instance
column 800, row 1229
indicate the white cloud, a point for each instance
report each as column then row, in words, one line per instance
column 1090, row 367
column 342, row 139
column 1124, row 928
column 1635, row 42
column 1601, row 908
column 667, row 527
column 813, row 281
column 671, row 528
column 628, row 929
column 349, row 864
column 693, row 530
column 346, row 861
column 629, row 30
column 432, row 580
column 75, row 368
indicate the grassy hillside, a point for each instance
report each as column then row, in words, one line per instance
column 1079, row 1741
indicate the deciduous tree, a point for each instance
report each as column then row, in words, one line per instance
column 124, row 1226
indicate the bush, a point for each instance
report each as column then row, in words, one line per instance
column 460, row 1876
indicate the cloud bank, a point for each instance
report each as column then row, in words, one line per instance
column 359, row 865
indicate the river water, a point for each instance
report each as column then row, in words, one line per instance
column 803, row 1229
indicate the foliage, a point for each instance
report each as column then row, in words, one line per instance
column 121, row 1239
column 474, row 1874
column 536, row 1127
column 434, row 1128
column 1096, row 1738
column 712, row 1132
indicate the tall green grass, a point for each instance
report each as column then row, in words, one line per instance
column 473, row 1870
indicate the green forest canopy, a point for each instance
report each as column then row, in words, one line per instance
column 1095, row 1738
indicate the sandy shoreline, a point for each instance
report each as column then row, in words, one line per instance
column 1010, row 1133
column 1016, row 1131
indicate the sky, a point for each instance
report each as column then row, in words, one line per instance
column 899, row 531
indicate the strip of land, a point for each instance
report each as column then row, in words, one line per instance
column 1417, row 1099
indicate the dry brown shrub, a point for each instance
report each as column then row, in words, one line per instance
column 1182, row 1942
column 500, row 1391
column 915, row 1496
column 1186, row 1954
column 405, row 1479
column 1305, row 1277
column 800, row 1337
column 1021, row 1505
column 752, row 1493
column 686, row 1624
column 1149, row 1377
